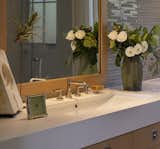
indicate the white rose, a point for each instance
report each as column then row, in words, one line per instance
column 122, row 36
column 70, row 35
column 138, row 49
column 80, row 34
column 73, row 45
column 145, row 46
column 130, row 52
column 113, row 35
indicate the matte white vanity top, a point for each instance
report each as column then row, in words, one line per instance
column 66, row 129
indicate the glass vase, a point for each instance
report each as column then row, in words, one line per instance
column 132, row 73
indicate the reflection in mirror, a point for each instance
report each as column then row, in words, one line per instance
column 37, row 43
column 134, row 13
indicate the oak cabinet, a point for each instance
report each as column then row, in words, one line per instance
column 157, row 146
column 145, row 138
column 121, row 142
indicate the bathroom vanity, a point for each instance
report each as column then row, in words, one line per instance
column 144, row 138
column 124, row 119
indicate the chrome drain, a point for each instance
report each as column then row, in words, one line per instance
column 76, row 106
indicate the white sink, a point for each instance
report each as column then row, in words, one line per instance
column 61, row 107
column 108, row 102
column 88, row 104
column 78, row 105
column 96, row 104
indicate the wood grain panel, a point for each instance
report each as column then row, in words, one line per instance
column 138, row 139
column 53, row 84
column 121, row 142
column 143, row 138
column 3, row 24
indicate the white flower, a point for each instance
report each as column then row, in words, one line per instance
column 130, row 52
column 122, row 36
column 145, row 46
column 113, row 35
column 73, row 45
column 70, row 35
column 138, row 49
column 80, row 34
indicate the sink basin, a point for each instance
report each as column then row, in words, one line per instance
column 94, row 104
column 90, row 103
column 61, row 107
column 108, row 102
column 78, row 105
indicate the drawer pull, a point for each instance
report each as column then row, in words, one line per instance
column 154, row 134
column 107, row 147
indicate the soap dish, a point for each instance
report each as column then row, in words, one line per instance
column 97, row 88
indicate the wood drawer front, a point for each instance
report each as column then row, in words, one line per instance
column 156, row 146
column 121, row 142
column 147, row 138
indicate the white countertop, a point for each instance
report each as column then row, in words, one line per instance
column 74, row 131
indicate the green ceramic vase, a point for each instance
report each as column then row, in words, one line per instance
column 132, row 73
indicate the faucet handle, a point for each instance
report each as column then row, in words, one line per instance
column 49, row 94
column 78, row 93
column 86, row 88
column 60, row 96
column 69, row 93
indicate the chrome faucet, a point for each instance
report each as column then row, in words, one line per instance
column 78, row 93
column 80, row 84
column 59, row 91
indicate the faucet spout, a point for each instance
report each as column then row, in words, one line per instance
column 80, row 84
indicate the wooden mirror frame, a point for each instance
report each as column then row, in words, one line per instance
column 61, row 83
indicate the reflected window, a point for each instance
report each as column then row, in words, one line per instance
column 45, row 28
column 93, row 12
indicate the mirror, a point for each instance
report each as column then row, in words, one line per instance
column 134, row 13
column 45, row 49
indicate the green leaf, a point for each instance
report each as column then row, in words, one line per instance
column 145, row 36
column 112, row 44
column 89, row 42
column 117, row 27
column 139, row 38
column 132, row 37
column 154, row 41
column 156, row 30
column 118, row 60
column 145, row 30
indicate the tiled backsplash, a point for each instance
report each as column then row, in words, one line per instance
column 122, row 11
